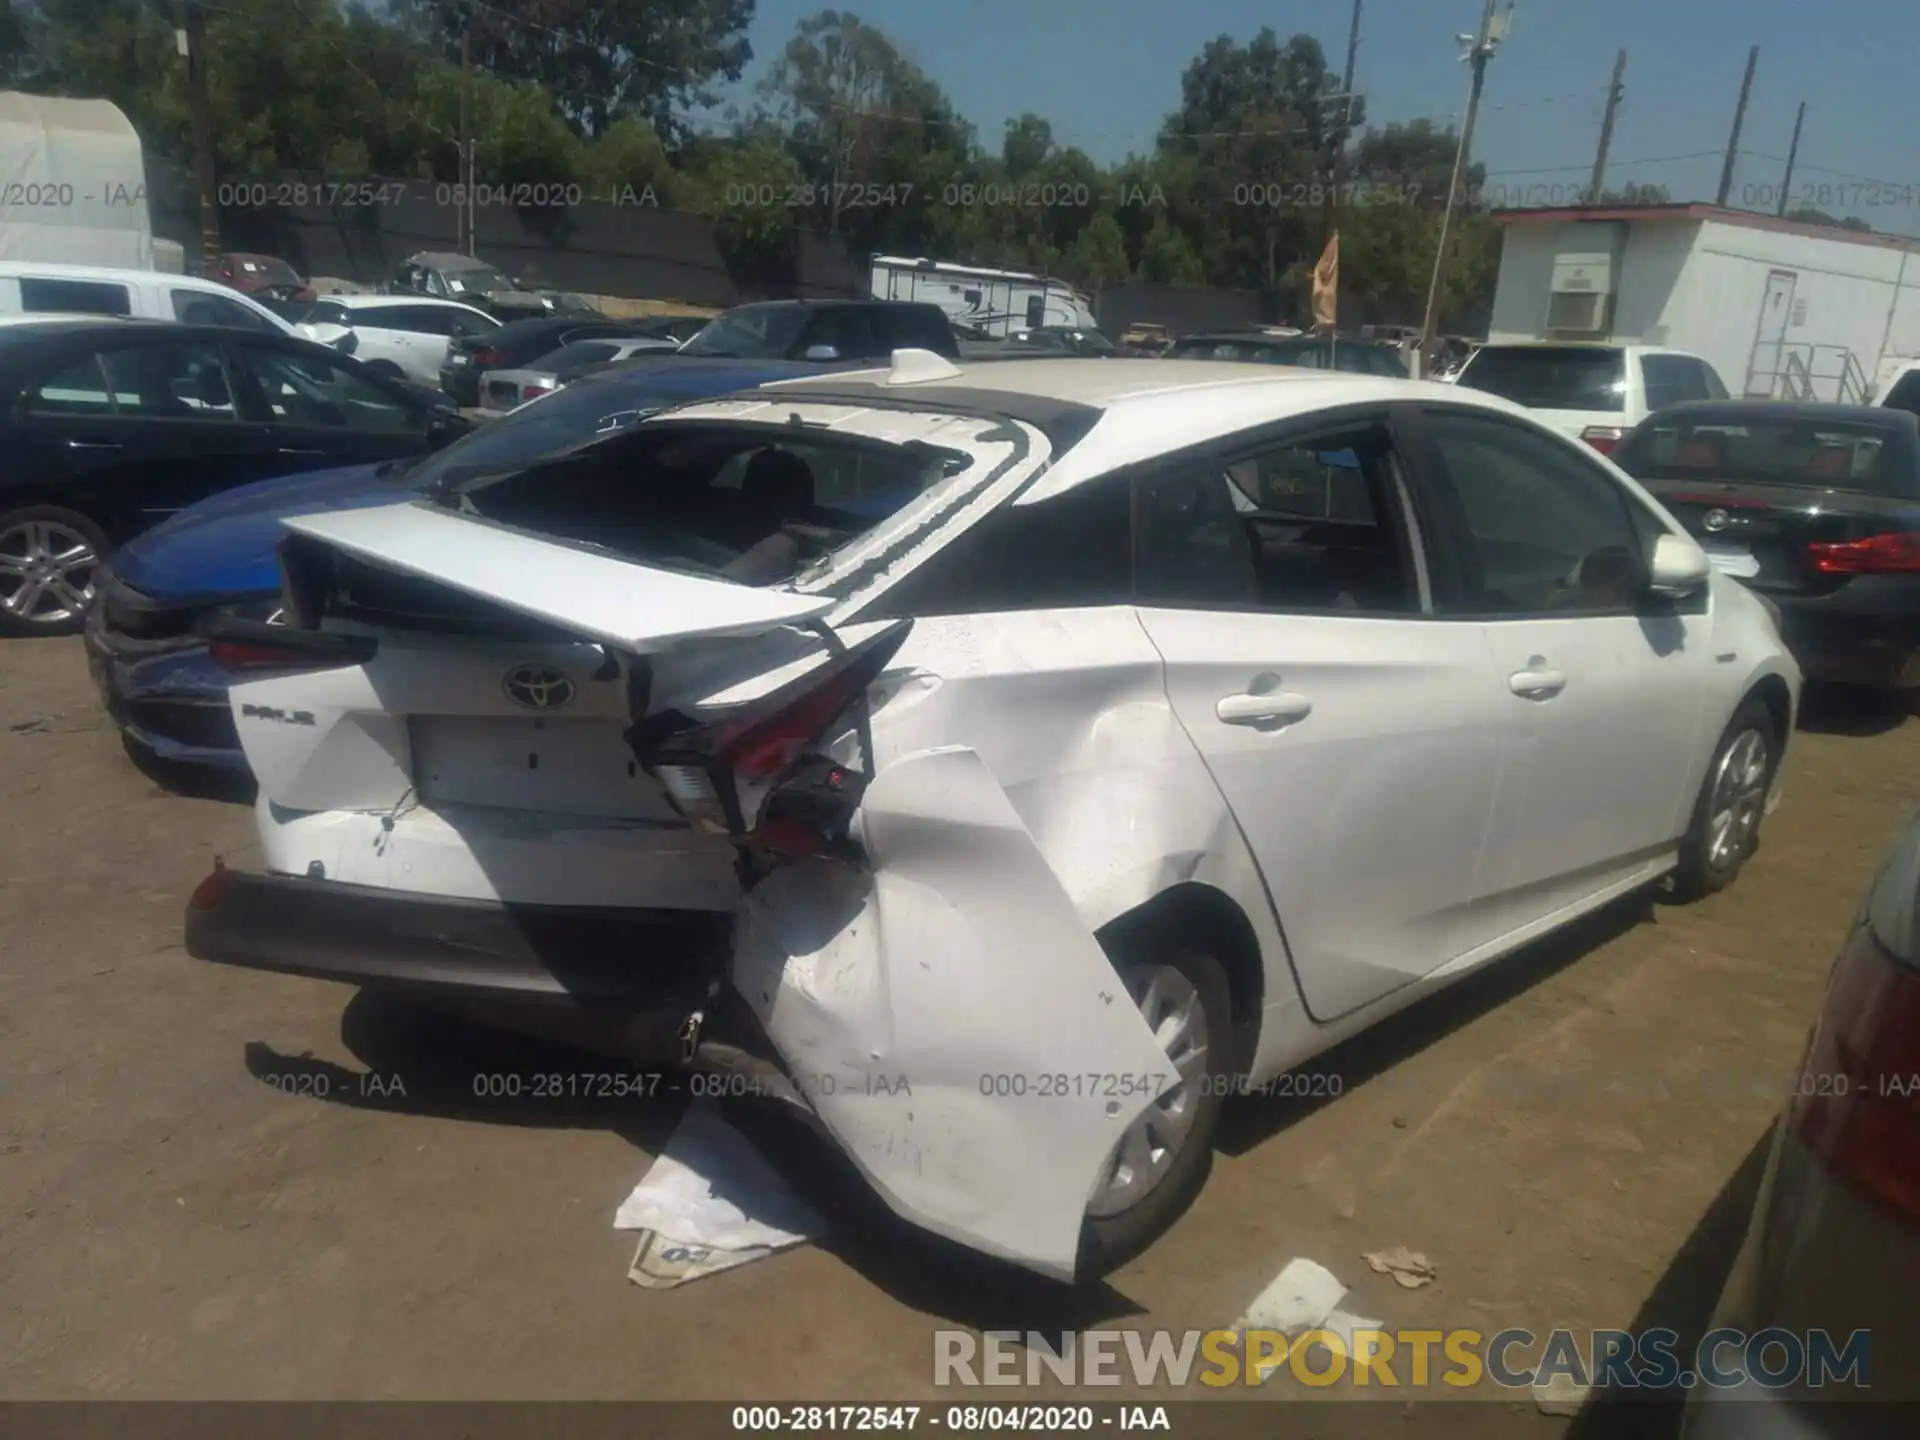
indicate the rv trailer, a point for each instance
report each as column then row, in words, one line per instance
column 996, row 302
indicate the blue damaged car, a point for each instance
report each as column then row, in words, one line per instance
column 219, row 558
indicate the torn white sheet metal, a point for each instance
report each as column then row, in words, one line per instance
column 636, row 607
column 711, row 1201
column 951, row 1017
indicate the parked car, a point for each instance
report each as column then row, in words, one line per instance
column 1314, row 352
column 504, row 390
column 1833, row 1242
column 444, row 275
column 1903, row 390
column 1064, row 338
column 261, row 276
column 511, row 346
column 30, row 288
column 218, row 558
column 826, row 331
column 397, row 335
column 110, row 426
column 1593, row 392
column 565, row 302
column 1816, row 507
column 898, row 723
column 1146, row 339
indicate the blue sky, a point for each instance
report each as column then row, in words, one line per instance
column 1106, row 71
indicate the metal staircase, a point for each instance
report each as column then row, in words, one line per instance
column 1806, row 372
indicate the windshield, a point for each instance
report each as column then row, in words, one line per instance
column 1550, row 377
column 478, row 281
column 1762, row 450
column 269, row 271
column 752, row 332
column 1264, row 352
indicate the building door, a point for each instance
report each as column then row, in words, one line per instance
column 1764, row 371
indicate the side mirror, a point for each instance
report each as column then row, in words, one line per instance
column 1679, row 568
column 823, row 352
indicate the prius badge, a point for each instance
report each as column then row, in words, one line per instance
column 538, row 687
column 1715, row 520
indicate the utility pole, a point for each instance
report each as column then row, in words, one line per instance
column 1793, row 154
column 463, row 223
column 191, row 41
column 1606, row 129
column 1739, row 119
column 1482, row 46
column 1341, row 131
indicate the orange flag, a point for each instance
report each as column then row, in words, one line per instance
column 1326, row 285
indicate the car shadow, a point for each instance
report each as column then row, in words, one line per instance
column 1683, row 1301
column 1251, row 1120
column 1850, row 710
column 194, row 782
column 418, row 1061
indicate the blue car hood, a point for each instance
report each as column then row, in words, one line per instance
column 225, row 544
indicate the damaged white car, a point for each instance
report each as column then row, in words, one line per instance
column 1002, row 764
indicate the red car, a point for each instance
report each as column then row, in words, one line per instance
column 261, row 276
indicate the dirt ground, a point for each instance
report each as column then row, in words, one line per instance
column 1572, row 1138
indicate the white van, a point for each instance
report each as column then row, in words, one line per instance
column 30, row 288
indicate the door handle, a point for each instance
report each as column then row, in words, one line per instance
column 1263, row 712
column 1536, row 684
column 102, row 446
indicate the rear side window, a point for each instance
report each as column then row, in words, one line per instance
column 171, row 382
column 415, row 319
column 1674, row 379
column 1551, row 377
column 79, row 389
column 912, row 329
column 1071, row 552
column 74, row 297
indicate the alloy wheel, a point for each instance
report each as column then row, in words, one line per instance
column 1177, row 1016
column 46, row 572
column 1738, row 798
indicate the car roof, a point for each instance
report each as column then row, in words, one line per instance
column 30, row 269
column 384, row 302
column 1130, row 410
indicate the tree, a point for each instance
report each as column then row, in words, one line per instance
column 1099, row 256
column 1167, row 257
column 1409, row 164
column 601, row 60
column 1807, row 215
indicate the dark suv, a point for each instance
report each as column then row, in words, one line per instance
column 825, row 331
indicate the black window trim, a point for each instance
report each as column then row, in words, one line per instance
column 155, row 339
column 1454, row 552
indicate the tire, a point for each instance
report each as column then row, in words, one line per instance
column 41, row 547
column 1118, row 1225
column 385, row 369
column 1736, row 786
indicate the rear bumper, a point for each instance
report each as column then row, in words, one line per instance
column 627, row 982
column 166, row 696
column 1865, row 633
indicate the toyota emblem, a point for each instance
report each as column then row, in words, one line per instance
column 1715, row 520
column 538, row 687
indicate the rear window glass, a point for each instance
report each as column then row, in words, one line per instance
column 1821, row 454
column 1310, row 356
column 1549, row 377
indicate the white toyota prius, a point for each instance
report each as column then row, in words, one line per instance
column 1001, row 764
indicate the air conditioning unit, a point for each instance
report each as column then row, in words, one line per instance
column 1580, row 302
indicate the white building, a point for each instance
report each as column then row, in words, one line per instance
column 1780, row 308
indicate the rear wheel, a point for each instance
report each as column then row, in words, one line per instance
column 1160, row 1162
column 1732, row 802
column 47, row 558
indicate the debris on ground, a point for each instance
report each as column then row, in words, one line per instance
column 1560, row 1395
column 710, row 1202
column 1409, row 1268
column 1304, row 1296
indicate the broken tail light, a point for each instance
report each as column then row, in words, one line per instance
column 1604, row 438
column 243, row 645
column 1856, row 1105
column 1896, row 553
column 806, row 800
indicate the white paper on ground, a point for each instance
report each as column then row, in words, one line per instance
column 710, row 1202
column 1299, row 1298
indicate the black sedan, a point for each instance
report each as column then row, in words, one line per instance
column 110, row 427
column 1815, row 507
column 512, row 346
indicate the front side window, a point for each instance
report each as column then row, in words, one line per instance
column 195, row 307
column 846, row 330
column 1548, row 531
column 752, row 332
column 316, row 393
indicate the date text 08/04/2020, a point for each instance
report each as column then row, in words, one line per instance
column 957, row 1419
